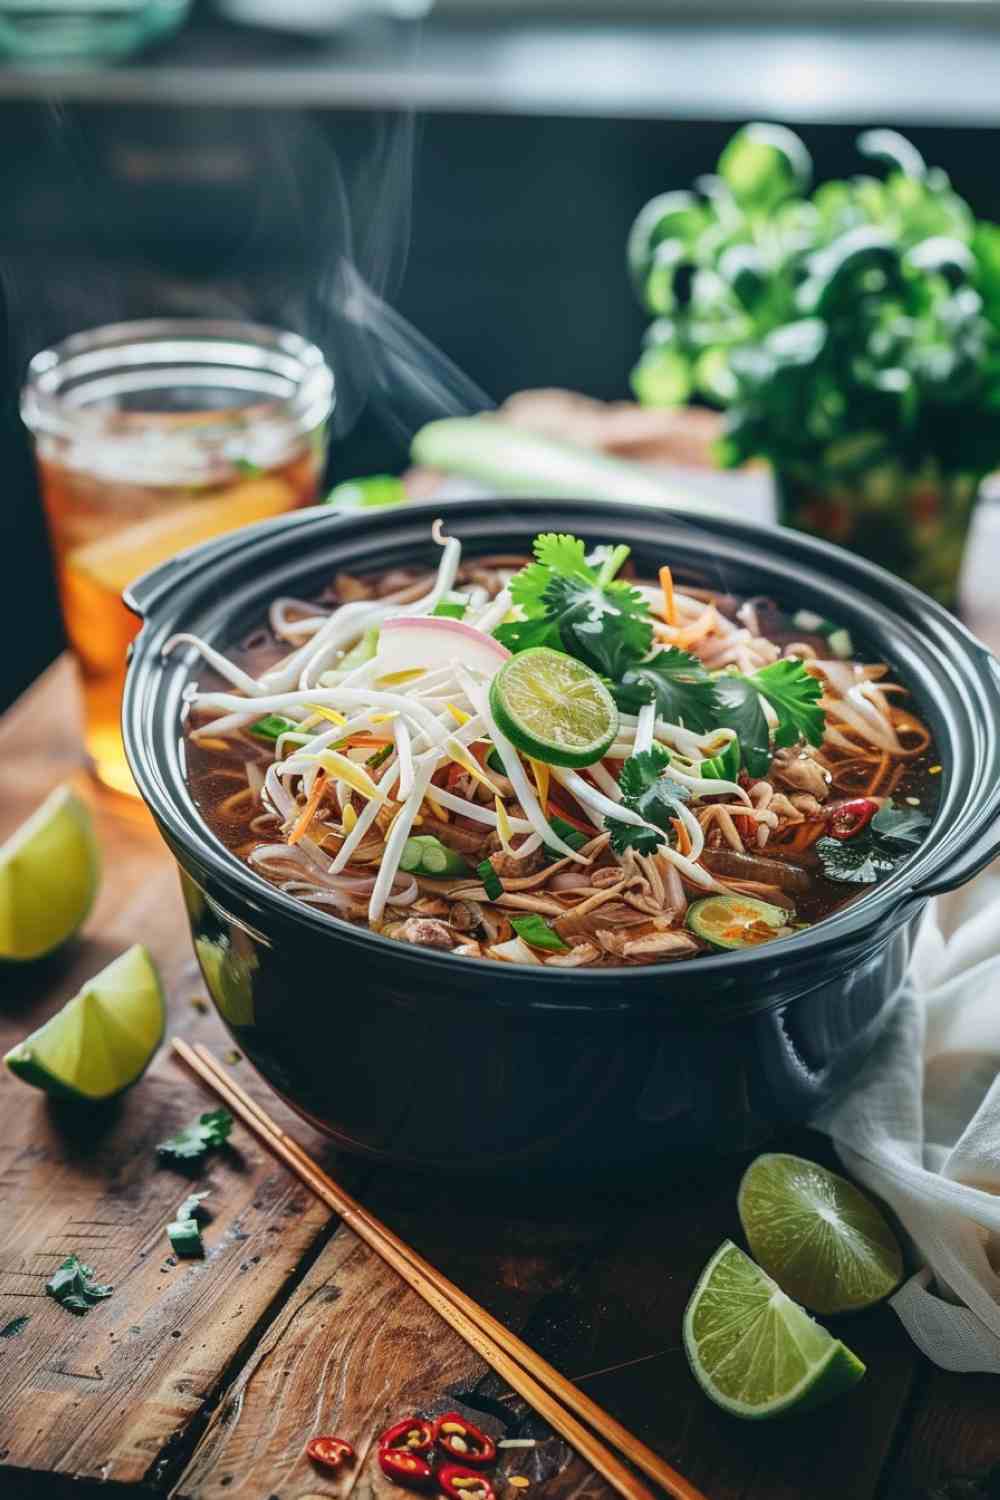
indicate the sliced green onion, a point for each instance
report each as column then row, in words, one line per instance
column 491, row 880
column 185, row 1239
column 726, row 765
column 379, row 757
column 536, row 931
column 836, row 637
column 569, row 835
column 272, row 726
column 363, row 651
column 424, row 854
column 452, row 607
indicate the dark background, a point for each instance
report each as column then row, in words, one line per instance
column 498, row 233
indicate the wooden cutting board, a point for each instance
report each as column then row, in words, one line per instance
column 204, row 1380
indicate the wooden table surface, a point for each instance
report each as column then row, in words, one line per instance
column 204, row 1380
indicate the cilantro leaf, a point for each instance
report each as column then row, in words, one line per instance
column 852, row 861
column 194, row 1140
column 794, row 695
column 900, row 825
column 645, row 791
column 607, row 627
column 15, row 1327
column 677, row 683
column 571, row 606
column 521, row 635
column 534, row 929
column 72, row 1286
column 740, row 709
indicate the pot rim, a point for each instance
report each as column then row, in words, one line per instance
column 939, row 650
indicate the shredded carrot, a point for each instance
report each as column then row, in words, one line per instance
column 669, row 602
column 701, row 627
column 683, row 837
column 307, row 814
column 363, row 742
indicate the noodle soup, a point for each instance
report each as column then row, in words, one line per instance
column 409, row 751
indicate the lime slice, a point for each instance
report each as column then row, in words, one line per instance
column 49, row 872
column 736, row 921
column 103, row 1039
column 554, row 708
column 817, row 1235
column 116, row 560
column 753, row 1350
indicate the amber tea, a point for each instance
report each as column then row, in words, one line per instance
column 169, row 444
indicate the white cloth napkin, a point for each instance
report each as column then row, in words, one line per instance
column 920, row 1127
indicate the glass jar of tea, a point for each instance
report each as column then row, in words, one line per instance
column 152, row 437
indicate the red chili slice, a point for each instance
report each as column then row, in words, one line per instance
column 403, row 1467
column 464, row 1484
column 331, row 1452
column 848, row 818
column 412, row 1434
column 464, row 1442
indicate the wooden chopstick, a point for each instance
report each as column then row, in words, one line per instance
column 524, row 1370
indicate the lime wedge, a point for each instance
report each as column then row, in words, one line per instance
column 753, row 1350
column 49, row 872
column 554, row 708
column 103, row 1039
column 116, row 560
column 817, row 1235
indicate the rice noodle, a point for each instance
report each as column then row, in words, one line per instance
column 395, row 739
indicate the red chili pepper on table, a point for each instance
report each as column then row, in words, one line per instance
column 412, row 1434
column 848, row 818
column 461, row 1440
column 331, row 1452
column 406, row 1468
column 464, row 1484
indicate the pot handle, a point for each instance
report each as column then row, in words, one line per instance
column 969, row 864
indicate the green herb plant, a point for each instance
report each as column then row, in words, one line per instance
column 851, row 332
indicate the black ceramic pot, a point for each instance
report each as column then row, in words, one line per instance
column 411, row 1055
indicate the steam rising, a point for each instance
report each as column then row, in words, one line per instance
column 257, row 216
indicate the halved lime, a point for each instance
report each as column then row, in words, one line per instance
column 736, row 921
column 817, row 1235
column 103, row 1039
column 753, row 1350
column 554, row 708
column 49, row 873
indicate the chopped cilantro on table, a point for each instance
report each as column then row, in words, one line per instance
column 646, row 792
column 876, row 851
column 678, row 684
column 571, row 606
column 74, row 1288
column 202, row 1135
column 15, row 1327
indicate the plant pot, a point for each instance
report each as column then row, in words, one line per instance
column 915, row 525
